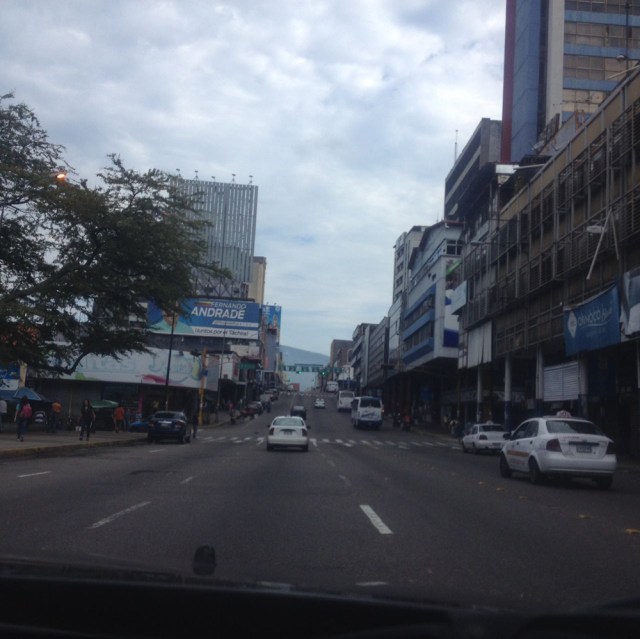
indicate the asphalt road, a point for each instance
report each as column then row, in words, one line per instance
column 383, row 512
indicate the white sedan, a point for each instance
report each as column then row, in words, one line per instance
column 484, row 437
column 288, row 432
column 559, row 446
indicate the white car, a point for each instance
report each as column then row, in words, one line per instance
column 485, row 437
column 288, row 432
column 559, row 446
column 319, row 403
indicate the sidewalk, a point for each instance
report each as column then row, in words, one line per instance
column 38, row 442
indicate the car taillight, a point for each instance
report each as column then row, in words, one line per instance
column 611, row 448
column 482, row 437
column 554, row 445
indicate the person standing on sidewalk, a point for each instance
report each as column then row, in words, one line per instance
column 55, row 417
column 3, row 414
column 87, row 417
column 23, row 415
column 118, row 419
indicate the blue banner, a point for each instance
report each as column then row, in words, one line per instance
column 594, row 324
column 212, row 318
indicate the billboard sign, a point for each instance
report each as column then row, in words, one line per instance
column 594, row 324
column 236, row 319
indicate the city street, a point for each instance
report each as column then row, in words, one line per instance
column 373, row 512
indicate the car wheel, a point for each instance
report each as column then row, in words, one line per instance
column 306, row 448
column 474, row 450
column 269, row 447
column 604, row 483
column 535, row 475
column 464, row 448
column 505, row 471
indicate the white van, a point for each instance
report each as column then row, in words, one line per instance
column 345, row 397
column 366, row 412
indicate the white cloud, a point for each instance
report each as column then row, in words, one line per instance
column 345, row 113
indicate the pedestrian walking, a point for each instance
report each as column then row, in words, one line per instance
column 118, row 419
column 23, row 415
column 3, row 414
column 87, row 417
column 56, row 416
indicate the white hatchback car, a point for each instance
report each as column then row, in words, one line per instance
column 485, row 437
column 559, row 446
column 288, row 432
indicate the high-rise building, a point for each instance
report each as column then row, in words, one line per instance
column 562, row 58
column 231, row 210
column 258, row 278
column 402, row 254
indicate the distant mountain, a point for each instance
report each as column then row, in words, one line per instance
column 291, row 356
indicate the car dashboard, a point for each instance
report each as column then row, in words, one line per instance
column 37, row 605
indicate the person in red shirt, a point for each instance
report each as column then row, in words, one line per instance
column 118, row 419
column 23, row 416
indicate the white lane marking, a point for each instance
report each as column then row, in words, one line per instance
column 366, row 442
column 352, row 441
column 156, row 450
column 126, row 511
column 314, row 441
column 345, row 480
column 378, row 524
column 347, row 444
column 260, row 441
column 44, row 472
column 326, row 441
column 372, row 583
column 187, row 480
column 390, row 443
column 377, row 441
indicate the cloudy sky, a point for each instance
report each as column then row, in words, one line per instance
column 345, row 112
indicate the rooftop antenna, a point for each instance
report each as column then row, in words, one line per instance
column 196, row 177
column 251, row 179
column 233, row 178
column 455, row 147
column 213, row 177
column 178, row 172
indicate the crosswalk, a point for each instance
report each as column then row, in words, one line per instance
column 328, row 441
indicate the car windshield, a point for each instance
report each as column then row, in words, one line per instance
column 287, row 421
column 420, row 216
column 570, row 427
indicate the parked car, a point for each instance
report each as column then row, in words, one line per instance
column 559, row 446
column 288, row 432
column 319, row 403
column 254, row 408
column 166, row 424
column 487, row 437
column 299, row 411
column 139, row 425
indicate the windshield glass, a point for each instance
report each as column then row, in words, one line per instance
column 399, row 220
column 558, row 426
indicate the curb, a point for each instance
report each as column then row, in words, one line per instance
column 43, row 450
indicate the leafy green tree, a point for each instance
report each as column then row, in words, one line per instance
column 79, row 262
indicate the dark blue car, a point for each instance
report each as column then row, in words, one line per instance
column 166, row 424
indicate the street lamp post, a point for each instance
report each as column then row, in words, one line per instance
column 220, row 364
column 166, row 380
